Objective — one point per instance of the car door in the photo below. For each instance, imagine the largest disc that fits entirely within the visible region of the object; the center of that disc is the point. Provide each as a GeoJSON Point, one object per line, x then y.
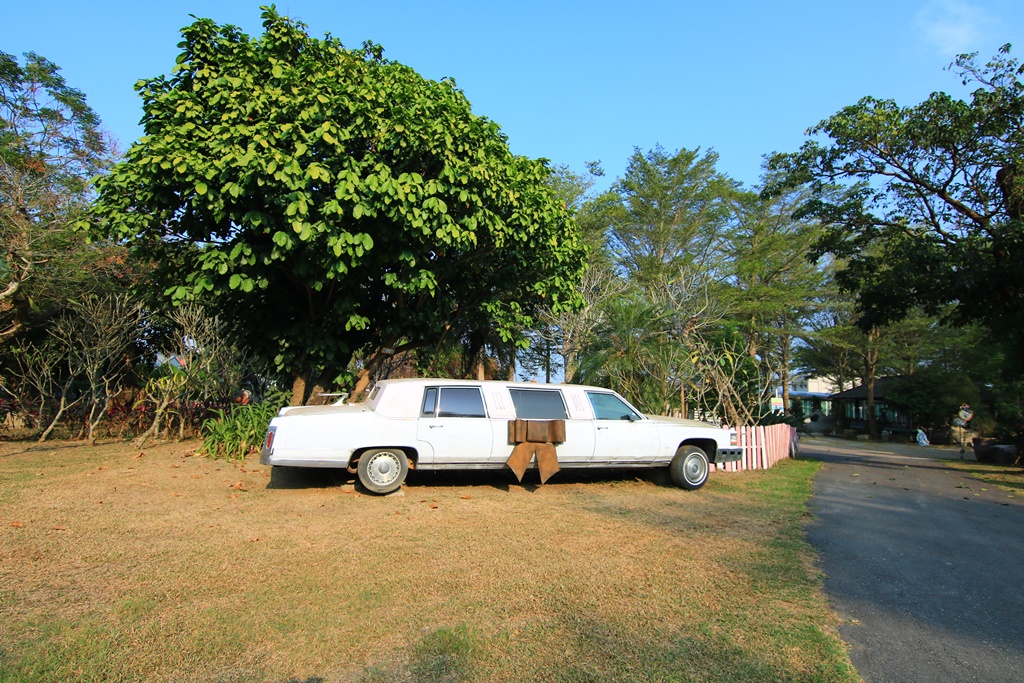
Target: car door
{"type": "Point", "coordinates": [549, 404]}
{"type": "Point", "coordinates": [622, 436]}
{"type": "Point", "coordinates": [455, 424]}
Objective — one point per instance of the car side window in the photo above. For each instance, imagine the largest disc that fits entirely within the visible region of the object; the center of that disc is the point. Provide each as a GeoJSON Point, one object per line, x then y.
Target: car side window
{"type": "Point", "coordinates": [429, 401]}
{"type": "Point", "coordinates": [610, 407]}
{"type": "Point", "coordinates": [538, 404]}
{"type": "Point", "coordinates": [460, 402]}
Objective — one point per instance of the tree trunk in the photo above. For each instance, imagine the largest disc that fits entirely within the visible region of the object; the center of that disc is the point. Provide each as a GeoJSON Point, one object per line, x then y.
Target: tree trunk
{"type": "Point", "coordinates": [480, 369]}
{"type": "Point", "coordinates": [366, 373]}
{"type": "Point", "coordinates": [547, 361]}
{"type": "Point", "coordinates": [154, 429]}
{"type": "Point", "coordinates": [298, 389]}
{"type": "Point", "coordinates": [569, 359]}
{"type": "Point", "coordinates": [787, 408]}
{"type": "Point", "coordinates": [870, 367]}
{"type": "Point", "coordinates": [362, 382]}
{"type": "Point", "coordinates": [64, 405]}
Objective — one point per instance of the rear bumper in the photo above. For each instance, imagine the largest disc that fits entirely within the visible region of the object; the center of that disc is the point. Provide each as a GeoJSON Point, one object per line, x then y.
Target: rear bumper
{"type": "Point", "coordinates": [725, 455]}
{"type": "Point", "coordinates": [268, 458]}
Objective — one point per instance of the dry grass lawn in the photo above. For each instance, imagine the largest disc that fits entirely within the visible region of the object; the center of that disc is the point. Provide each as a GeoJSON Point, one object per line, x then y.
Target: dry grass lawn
{"type": "Point", "coordinates": [125, 565]}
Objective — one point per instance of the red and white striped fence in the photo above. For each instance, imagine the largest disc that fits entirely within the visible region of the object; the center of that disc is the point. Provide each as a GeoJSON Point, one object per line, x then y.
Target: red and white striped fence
{"type": "Point", "coordinates": [762, 447]}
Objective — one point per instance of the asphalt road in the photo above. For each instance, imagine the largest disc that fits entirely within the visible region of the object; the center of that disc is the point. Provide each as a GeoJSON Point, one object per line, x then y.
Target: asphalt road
{"type": "Point", "coordinates": [924, 565]}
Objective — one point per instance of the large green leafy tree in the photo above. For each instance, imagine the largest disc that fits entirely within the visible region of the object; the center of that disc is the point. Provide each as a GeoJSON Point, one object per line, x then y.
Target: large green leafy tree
{"type": "Point", "coordinates": [327, 200]}
{"type": "Point", "coordinates": [931, 209]}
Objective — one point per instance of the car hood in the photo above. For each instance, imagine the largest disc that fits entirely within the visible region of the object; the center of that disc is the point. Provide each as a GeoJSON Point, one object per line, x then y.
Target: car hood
{"type": "Point", "coordinates": [680, 421]}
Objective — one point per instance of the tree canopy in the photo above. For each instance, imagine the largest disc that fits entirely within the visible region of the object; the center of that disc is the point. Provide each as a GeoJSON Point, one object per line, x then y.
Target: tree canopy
{"type": "Point", "coordinates": [326, 200]}
{"type": "Point", "coordinates": [936, 192]}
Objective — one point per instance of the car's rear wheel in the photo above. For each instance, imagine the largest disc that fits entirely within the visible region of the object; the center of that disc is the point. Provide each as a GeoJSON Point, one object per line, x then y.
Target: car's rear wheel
{"type": "Point", "coordinates": [689, 468]}
{"type": "Point", "coordinates": [383, 470]}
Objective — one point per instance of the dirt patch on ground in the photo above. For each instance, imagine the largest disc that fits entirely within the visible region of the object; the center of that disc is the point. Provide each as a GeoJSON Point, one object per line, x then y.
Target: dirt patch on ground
{"type": "Point", "coordinates": [123, 564]}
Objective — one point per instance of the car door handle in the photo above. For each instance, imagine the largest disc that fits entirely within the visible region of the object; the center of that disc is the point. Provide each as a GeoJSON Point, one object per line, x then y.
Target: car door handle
{"type": "Point", "coordinates": [436, 426]}
{"type": "Point", "coordinates": [602, 428]}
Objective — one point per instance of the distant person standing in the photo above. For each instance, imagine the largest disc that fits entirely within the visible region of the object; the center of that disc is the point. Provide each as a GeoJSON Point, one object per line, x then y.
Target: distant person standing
{"type": "Point", "coordinates": [962, 421]}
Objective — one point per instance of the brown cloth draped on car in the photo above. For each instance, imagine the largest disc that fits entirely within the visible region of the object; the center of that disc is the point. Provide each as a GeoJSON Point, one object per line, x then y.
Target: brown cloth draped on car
{"type": "Point", "coordinates": [535, 437]}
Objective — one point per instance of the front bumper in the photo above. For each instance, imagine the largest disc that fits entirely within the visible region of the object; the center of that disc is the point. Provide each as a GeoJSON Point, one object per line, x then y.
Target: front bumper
{"type": "Point", "coordinates": [725, 455]}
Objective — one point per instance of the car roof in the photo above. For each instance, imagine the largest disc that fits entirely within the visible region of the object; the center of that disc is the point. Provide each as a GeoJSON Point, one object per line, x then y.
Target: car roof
{"type": "Point", "coordinates": [432, 381]}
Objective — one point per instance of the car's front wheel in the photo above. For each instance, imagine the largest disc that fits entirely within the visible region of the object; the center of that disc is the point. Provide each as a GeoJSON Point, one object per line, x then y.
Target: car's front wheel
{"type": "Point", "coordinates": [689, 468]}
{"type": "Point", "coordinates": [383, 470]}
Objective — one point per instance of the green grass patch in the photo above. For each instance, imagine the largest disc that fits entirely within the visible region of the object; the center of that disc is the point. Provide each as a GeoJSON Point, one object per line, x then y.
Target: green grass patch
{"type": "Point", "coordinates": [160, 566]}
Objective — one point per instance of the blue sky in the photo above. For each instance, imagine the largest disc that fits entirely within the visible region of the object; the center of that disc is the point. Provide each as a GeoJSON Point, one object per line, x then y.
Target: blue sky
{"type": "Point", "coordinates": [576, 81]}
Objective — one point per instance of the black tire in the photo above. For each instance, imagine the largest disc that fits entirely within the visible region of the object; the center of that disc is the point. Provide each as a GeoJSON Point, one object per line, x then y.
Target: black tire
{"type": "Point", "coordinates": [689, 468]}
{"type": "Point", "coordinates": [383, 470]}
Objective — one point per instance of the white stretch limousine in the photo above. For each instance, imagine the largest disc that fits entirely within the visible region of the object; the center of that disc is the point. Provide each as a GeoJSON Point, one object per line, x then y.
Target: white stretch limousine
{"type": "Point", "coordinates": [436, 424]}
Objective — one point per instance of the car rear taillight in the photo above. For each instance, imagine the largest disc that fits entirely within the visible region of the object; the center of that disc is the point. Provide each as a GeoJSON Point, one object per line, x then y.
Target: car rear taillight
{"type": "Point", "coordinates": [734, 438]}
{"type": "Point", "coordinates": [269, 443]}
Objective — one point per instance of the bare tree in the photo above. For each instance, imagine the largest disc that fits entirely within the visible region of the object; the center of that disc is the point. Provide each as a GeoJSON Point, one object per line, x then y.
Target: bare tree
{"type": "Point", "coordinates": [569, 332]}
{"type": "Point", "coordinates": [46, 373]}
{"type": "Point", "coordinates": [200, 364]}
{"type": "Point", "coordinates": [99, 336]}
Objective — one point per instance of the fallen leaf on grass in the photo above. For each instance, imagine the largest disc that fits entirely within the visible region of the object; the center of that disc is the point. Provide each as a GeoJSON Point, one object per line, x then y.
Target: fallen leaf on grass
{"type": "Point", "coordinates": [238, 486]}
{"type": "Point", "coordinates": [465, 497]}
{"type": "Point", "coordinates": [433, 506]}
{"type": "Point", "coordinates": [175, 494]}
{"type": "Point", "coordinates": [175, 465]}
{"type": "Point", "coordinates": [60, 528]}
{"type": "Point", "coordinates": [140, 455]}
{"type": "Point", "coordinates": [197, 476]}
{"type": "Point", "coordinates": [254, 539]}
{"type": "Point", "coordinates": [18, 525]}
{"type": "Point", "coordinates": [233, 495]}
{"type": "Point", "coordinates": [102, 467]}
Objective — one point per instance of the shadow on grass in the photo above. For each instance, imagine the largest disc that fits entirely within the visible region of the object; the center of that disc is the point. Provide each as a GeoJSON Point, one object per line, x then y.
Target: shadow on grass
{"type": "Point", "coordinates": [307, 477]}
{"type": "Point", "coordinates": [503, 479]}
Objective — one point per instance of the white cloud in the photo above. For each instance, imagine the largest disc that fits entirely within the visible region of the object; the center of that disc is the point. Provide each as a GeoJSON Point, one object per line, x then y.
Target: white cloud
{"type": "Point", "coordinates": [952, 27]}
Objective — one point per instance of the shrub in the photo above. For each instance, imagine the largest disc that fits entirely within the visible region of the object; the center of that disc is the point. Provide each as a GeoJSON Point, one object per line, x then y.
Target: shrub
{"type": "Point", "coordinates": [240, 429]}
